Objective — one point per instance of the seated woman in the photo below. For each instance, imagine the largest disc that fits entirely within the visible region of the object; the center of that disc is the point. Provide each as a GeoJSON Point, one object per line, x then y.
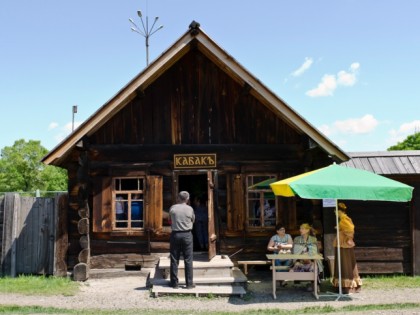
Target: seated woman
{"type": "Point", "coordinates": [281, 243]}
{"type": "Point", "coordinates": [305, 243]}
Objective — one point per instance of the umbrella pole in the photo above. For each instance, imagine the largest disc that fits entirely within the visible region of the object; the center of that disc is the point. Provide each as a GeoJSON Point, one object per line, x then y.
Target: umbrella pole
{"type": "Point", "coordinates": [338, 261]}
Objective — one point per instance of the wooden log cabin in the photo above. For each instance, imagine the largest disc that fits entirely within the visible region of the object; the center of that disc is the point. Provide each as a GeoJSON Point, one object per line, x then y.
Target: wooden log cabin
{"type": "Point", "coordinates": [387, 233]}
{"type": "Point", "coordinates": [194, 120]}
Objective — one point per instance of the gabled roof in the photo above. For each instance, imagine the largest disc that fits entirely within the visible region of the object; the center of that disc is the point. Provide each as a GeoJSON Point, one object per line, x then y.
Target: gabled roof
{"type": "Point", "coordinates": [194, 37]}
{"type": "Point", "coordinates": [386, 162]}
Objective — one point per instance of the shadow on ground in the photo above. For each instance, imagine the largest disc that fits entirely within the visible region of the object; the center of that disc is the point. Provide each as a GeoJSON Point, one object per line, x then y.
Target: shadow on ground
{"type": "Point", "coordinates": [259, 290]}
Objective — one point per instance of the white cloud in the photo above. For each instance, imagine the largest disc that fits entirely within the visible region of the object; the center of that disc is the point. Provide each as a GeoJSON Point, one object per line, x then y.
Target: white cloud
{"type": "Point", "coordinates": [52, 126]}
{"type": "Point", "coordinates": [410, 127]}
{"type": "Point", "coordinates": [325, 129]}
{"type": "Point", "coordinates": [346, 78]}
{"type": "Point", "coordinates": [325, 88]}
{"type": "Point", "coordinates": [354, 66]}
{"type": "Point", "coordinates": [362, 125]}
{"type": "Point", "coordinates": [330, 82]}
{"type": "Point", "coordinates": [403, 132]}
{"type": "Point", "coordinates": [305, 66]}
{"type": "Point", "coordinates": [66, 130]}
{"type": "Point", "coordinates": [68, 127]}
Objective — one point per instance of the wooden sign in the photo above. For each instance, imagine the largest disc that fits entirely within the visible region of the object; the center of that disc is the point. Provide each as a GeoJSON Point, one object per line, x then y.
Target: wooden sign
{"type": "Point", "coordinates": [186, 161]}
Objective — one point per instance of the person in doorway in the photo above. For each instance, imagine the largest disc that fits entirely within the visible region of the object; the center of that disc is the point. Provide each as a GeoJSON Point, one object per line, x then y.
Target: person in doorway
{"type": "Point", "coordinates": [201, 222]}
{"type": "Point", "coordinates": [181, 239]}
{"type": "Point", "coordinates": [281, 243]}
{"type": "Point", "coordinates": [350, 279]}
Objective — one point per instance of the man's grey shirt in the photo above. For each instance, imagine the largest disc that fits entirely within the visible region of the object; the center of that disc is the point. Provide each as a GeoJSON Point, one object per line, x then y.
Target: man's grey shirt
{"type": "Point", "coordinates": [182, 217]}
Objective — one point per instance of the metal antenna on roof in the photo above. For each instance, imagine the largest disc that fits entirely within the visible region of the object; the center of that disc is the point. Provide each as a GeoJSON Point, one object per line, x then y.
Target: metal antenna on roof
{"type": "Point", "coordinates": [145, 31]}
{"type": "Point", "coordinates": [74, 111]}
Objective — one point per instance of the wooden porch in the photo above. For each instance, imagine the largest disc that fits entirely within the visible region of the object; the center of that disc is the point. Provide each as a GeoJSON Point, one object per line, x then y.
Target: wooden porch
{"type": "Point", "coordinates": [218, 276]}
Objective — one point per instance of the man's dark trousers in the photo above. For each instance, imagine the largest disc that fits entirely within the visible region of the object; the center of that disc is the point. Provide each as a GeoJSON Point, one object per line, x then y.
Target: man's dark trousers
{"type": "Point", "coordinates": [181, 242]}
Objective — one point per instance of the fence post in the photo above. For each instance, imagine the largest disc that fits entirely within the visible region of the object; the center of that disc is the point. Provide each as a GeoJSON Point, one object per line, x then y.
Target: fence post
{"type": "Point", "coordinates": [61, 242]}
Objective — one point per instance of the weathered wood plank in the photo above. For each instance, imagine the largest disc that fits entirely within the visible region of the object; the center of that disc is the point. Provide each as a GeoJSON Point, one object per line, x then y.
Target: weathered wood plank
{"type": "Point", "coordinates": [102, 205]}
{"type": "Point", "coordinates": [378, 254]}
{"type": "Point", "coordinates": [158, 247]}
{"type": "Point", "coordinates": [380, 267]}
{"type": "Point", "coordinates": [238, 206]}
{"type": "Point", "coordinates": [118, 246]}
{"type": "Point", "coordinates": [61, 235]}
{"type": "Point", "coordinates": [415, 215]}
{"type": "Point", "coordinates": [119, 260]}
{"type": "Point", "coordinates": [227, 152]}
{"type": "Point", "coordinates": [1, 229]}
{"type": "Point", "coordinates": [154, 205]}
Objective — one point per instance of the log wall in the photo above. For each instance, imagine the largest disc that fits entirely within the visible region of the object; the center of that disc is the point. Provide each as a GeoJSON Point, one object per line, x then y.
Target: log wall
{"type": "Point", "coordinates": [195, 102]}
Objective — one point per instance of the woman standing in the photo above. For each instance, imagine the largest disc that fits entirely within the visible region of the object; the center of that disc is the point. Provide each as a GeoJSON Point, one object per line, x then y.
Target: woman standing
{"type": "Point", "coordinates": [350, 279]}
{"type": "Point", "coordinates": [281, 243]}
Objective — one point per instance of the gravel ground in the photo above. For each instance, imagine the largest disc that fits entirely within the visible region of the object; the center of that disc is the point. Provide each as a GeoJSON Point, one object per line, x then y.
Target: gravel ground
{"type": "Point", "coordinates": [131, 293]}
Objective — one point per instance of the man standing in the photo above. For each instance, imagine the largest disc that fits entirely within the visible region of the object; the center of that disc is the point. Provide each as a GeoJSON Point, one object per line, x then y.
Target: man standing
{"type": "Point", "coordinates": [182, 219]}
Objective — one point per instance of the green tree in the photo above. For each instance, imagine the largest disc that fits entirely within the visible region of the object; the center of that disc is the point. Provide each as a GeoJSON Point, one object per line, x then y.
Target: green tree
{"type": "Point", "coordinates": [412, 142]}
{"type": "Point", "coordinates": [21, 169]}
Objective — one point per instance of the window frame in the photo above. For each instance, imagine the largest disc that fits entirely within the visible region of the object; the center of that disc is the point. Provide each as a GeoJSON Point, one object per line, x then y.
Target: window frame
{"type": "Point", "coordinates": [141, 189]}
{"type": "Point", "coordinates": [261, 200]}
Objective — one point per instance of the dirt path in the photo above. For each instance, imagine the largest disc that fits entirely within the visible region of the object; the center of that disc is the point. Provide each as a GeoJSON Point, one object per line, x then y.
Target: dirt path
{"type": "Point", "coordinates": [131, 293]}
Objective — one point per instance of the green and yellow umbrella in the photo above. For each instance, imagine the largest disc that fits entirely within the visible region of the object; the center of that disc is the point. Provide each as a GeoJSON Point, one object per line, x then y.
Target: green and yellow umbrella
{"type": "Point", "coordinates": [340, 182]}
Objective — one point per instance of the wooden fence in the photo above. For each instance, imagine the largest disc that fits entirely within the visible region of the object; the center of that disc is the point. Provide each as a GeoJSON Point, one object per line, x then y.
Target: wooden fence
{"type": "Point", "coordinates": [32, 236]}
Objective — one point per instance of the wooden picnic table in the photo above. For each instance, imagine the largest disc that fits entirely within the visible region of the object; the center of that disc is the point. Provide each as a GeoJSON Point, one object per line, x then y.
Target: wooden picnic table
{"type": "Point", "coordinates": [292, 276]}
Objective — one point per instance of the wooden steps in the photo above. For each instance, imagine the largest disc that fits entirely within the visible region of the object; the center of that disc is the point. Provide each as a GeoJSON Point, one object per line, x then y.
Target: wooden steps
{"type": "Point", "coordinates": [217, 267]}
{"type": "Point", "coordinates": [218, 276]}
{"type": "Point", "coordinates": [236, 277]}
{"type": "Point", "coordinates": [203, 290]}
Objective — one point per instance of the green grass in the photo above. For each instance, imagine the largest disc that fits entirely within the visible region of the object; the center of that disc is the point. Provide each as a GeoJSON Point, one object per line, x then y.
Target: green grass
{"type": "Point", "coordinates": [39, 285]}
{"type": "Point", "coordinates": [273, 311]}
{"type": "Point", "coordinates": [390, 282]}
{"type": "Point", "coordinates": [381, 282]}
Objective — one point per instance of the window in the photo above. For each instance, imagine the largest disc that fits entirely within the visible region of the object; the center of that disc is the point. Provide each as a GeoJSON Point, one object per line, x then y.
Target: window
{"type": "Point", "coordinates": [128, 203]}
{"type": "Point", "coordinates": [261, 202]}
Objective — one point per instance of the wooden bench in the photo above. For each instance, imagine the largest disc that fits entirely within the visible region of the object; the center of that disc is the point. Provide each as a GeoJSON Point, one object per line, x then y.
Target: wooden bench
{"type": "Point", "coordinates": [245, 263]}
{"type": "Point", "coordinates": [294, 276]}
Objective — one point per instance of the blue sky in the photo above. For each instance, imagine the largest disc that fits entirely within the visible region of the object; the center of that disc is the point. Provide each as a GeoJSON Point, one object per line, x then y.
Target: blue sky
{"type": "Point", "coordinates": [351, 68]}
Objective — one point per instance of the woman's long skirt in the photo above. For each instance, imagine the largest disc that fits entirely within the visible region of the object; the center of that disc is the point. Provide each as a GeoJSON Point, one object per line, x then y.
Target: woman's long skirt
{"type": "Point", "coordinates": [350, 279]}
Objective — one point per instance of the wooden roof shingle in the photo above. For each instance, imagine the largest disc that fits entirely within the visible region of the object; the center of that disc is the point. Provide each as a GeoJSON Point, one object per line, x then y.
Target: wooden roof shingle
{"type": "Point", "coordinates": [386, 162]}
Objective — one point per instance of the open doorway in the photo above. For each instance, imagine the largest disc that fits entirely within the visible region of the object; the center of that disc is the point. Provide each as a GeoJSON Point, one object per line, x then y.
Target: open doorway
{"type": "Point", "coordinates": [196, 185]}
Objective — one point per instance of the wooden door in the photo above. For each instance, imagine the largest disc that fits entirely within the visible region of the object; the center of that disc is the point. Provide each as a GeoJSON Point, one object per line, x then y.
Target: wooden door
{"type": "Point", "coordinates": [212, 221]}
